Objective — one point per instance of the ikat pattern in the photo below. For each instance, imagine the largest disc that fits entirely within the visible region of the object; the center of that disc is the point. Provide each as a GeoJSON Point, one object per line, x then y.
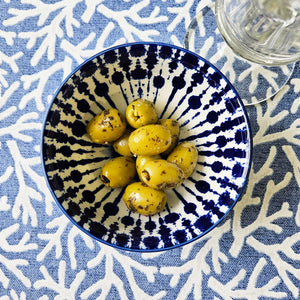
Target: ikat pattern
{"type": "Point", "coordinates": [182, 86]}
{"type": "Point", "coordinates": [254, 253]}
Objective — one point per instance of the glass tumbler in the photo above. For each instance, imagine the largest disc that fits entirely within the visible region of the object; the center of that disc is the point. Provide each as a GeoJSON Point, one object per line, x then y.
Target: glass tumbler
{"type": "Point", "coordinates": [266, 32]}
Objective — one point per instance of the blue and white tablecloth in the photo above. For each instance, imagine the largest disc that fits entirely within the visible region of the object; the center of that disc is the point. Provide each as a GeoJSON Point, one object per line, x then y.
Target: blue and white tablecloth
{"type": "Point", "coordinates": [253, 254]}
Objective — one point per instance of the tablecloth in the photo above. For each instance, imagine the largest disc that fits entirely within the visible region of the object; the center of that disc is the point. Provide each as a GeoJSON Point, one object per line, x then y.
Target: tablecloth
{"type": "Point", "coordinates": [254, 253]}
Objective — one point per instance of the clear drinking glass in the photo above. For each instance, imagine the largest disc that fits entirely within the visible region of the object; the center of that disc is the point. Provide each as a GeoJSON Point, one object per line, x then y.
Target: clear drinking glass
{"type": "Point", "coordinates": [263, 31]}
{"type": "Point", "coordinates": [263, 37]}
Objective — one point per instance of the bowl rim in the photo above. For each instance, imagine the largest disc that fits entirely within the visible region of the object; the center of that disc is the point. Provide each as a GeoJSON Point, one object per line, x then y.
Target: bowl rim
{"type": "Point", "coordinates": [242, 106]}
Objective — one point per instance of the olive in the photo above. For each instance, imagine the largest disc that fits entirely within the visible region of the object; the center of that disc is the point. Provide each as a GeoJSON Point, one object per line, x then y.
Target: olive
{"type": "Point", "coordinates": [143, 199]}
{"type": "Point", "coordinates": [141, 160]}
{"type": "Point", "coordinates": [121, 144]}
{"type": "Point", "coordinates": [173, 126]}
{"type": "Point", "coordinates": [118, 171]}
{"type": "Point", "coordinates": [161, 174]}
{"type": "Point", "coordinates": [185, 155]}
{"type": "Point", "coordinates": [149, 140]}
{"type": "Point", "coordinates": [107, 126]}
{"type": "Point", "coordinates": [141, 112]}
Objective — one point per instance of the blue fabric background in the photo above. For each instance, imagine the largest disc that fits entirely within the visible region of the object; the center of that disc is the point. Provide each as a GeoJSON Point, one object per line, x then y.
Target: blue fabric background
{"type": "Point", "coordinates": [253, 254]}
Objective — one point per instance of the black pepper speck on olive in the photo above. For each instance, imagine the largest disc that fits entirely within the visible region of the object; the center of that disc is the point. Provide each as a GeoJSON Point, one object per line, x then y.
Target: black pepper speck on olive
{"type": "Point", "coordinates": [149, 140]}
{"type": "Point", "coordinates": [161, 174]}
{"type": "Point", "coordinates": [148, 148]}
{"type": "Point", "coordinates": [143, 199]}
{"type": "Point", "coordinates": [185, 155]}
{"type": "Point", "coordinates": [118, 172]}
{"type": "Point", "coordinates": [141, 112]}
{"type": "Point", "coordinates": [107, 126]}
{"type": "Point", "coordinates": [173, 126]}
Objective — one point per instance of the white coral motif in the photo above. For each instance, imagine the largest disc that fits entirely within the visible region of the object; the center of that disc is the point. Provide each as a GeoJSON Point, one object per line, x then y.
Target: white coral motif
{"type": "Point", "coordinates": [54, 240]}
{"type": "Point", "coordinates": [231, 291]}
{"type": "Point", "coordinates": [59, 287]}
{"type": "Point", "coordinates": [284, 268]}
{"type": "Point", "coordinates": [24, 166]}
{"type": "Point", "coordinates": [295, 163]}
{"type": "Point", "coordinates": [9, 36]}
{"type": "Point", "coordinates": [240, 232]}
{"type": "Point", "coordinates": [63, 13]}
{"type": "Point", "coordinates": [111, 279]}
{"type": "Point", "coordinates": [14, 296]}
{"type": "Point", "coordinates": [4, 205]}
{"type": "Point", "coordinates": [120, 17]}
{"type": "Point", "coordinates": [74, 233]}
{"type": "Point", "coordinates": [296, 104]}
{"type": "Point", "coordinates": [81, 52]}
{"type": "Point", "coordinates": [11, 61]}
{"type": "Point", "coordinates": [13, 265]}
{"type": "Point", "coordinates": [54, 48]}
{"type": "Point", "coordinates": [266, 120]}
{"type": "Point", "coordinates": [199, 265]}
{"type": "Point", "coordinates": [42, 78]}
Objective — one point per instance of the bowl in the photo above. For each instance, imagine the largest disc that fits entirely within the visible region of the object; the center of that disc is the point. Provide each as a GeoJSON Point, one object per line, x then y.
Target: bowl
{"type": "Point", "coordinates": [182, 86]}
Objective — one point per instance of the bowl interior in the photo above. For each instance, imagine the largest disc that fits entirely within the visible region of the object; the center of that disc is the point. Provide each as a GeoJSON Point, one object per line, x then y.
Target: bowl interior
{"type": "Point", "coordinates": [182, 86]}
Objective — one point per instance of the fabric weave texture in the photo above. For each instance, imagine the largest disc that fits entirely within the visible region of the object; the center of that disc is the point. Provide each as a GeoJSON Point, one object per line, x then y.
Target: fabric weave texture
{"type": "Point", "coordinates": [253, 254]}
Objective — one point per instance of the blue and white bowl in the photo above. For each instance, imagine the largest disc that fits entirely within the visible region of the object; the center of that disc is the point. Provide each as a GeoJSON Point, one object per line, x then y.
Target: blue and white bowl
{"type": "Point", "coordinates": [183, 86]}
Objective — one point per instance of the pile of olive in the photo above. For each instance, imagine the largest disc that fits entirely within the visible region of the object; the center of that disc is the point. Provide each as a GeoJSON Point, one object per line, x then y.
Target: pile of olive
{"type": "Point", "coordinates": [149, 148]}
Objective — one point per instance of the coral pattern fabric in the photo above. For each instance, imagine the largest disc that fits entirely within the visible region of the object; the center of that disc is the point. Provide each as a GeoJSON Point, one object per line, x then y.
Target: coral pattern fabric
{"type": "Point", "coordinates": [253, 254]}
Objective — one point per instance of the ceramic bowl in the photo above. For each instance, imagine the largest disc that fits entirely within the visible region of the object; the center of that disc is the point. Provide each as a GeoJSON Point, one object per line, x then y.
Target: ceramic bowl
{"type": "Point", "coordinates": [183, 86]}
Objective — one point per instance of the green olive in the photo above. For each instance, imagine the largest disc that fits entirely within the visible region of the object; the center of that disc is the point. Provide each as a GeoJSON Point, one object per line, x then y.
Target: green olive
{"type": "Point", "coordinates": [143, 199]}
{"type": "Point", "coordinates": [121, 144]}
{"type": "Point", "coordinates": [141, 112]}
{"type": "Point", "coordinates": [173, 126]}
{"type": "Point", "coordinates": [141, 160]}
{"type": "Point", "coordinates": [107, 126]}
{"type": "Point", "coordinates": [185, 155]}
{"type": "Point", "coordinates": [161, 174]}
{"type": "Point", "coordinates": [149, 140]}
{"type": "Point", "coordinates": [118, 172]}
